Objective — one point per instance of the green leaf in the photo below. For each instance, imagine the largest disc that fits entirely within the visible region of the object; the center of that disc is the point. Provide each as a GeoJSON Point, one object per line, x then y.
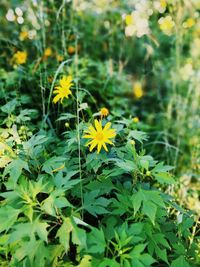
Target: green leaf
{"type": "Point", "coordinates": [126, 165]}
{"type": "Point", "coordinates": [95, 205]}
{"type": "Point", "coordinates": [149, 209]}
{"type": "Point", "coordinates": [147, 259]}
{"type": "Point", "coordinates": [162, 254]}
{"type": "Point", "coordinates": [164, 178]}
{"type": "Point", "coordinates": [10, 106]}
{"type": "Point", "coordinates": [63, 233]}
{"type": "Point", "coordinates": [52, 164]}
{"type": "Point", "coordinates": [96, 241]}
{"type": "Point", "coordinates": [137, 135]}
{"type": "Point", "coordinates": [86, 261]}
{"type": "Point", "coordinates": [137, 250]}
{"type": "Point", "coordinates": [8, 217]}
{"type": "Point", "coordinates": [180, 262]}
{"type": "Point", "coordinates": [41, 229]}
{"type": "Point", "coordinates": [78, 235]}
{"type": "Point", "coordinates": [136, 263]}
{"type": "Point", "coordinates": [14, 169]}
{"type": "Point", "coordinates": [137, 201]}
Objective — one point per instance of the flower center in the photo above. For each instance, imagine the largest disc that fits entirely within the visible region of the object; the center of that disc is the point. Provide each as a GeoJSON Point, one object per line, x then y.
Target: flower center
{"type": "Point", "coordinates": [99, 136]}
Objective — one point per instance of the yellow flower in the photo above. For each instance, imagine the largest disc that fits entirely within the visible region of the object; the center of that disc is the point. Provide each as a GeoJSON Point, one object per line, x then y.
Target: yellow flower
{"type": "Point", "coordinates": [137, 90]}
{"type": "Point", "coordinates": [132, 142]}
{"type": "Point", "coordinates": [129, 20]}
{"type": "Point", "coordinates": [100, 136]}
{"type": "Point", "coordinates": [166, 25]}
{"type": "Point", "coordinates": [163, 4]}
{"type": "Point", "coordinates": [48, 52]}
{"type": "Point", "coordinates": [189, 23]}
{"type": "Point", "coordinates": [23, 35]}
{"type": "Point", "coordinates": [20, 57]}
{"type": "Point", "coordinates": [104, 112]}
{"type": "Point", "coordinates": [63, 90]}
{"type": "Point", "coordinates": [135, 119]}
{"type": "Point", "coordinates": [59, 58]}
{"type": "Point", "coordinates": [71, 50]}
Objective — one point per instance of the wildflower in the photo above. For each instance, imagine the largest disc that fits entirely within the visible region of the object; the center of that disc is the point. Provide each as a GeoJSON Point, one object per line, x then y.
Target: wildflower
{"type": "Point", "coordinates": [132, 142]}
{"type": "Point", "coordinates": [23, 35]}
{"type": "Point", "coordinates": [100, 136]}
{"type": "Point", "coordinates": [160, 5]}
{"type": "Point", "coordinates": [59, 58]}
{"type": "Point", "coordinates": [71, 50]}
{"type": "Point", "coordinates": [189, 23]}
{"type": "Point", "coordinates": [48, 52]}
{"type": "Point", "coordinates": [135, 119]}
{"type": "Point", "coordinates": [63, 90]}
{"type": "Point", "coordinates": [166, 25]}
{"type": "Point", "coordinates": [20, 57]}
{"type": "Point", "coordinates": [129, 19]}
{"type": "Point", "coordinates": [137, 90]}
{"type": "Point", "coordinates": [66, 124]}
{"type": "Point", "coordinates": [104, 112]}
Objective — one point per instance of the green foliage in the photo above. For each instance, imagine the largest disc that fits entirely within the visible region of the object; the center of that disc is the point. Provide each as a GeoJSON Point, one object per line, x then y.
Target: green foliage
{"type": "Point", "coordinates": [62, 205]}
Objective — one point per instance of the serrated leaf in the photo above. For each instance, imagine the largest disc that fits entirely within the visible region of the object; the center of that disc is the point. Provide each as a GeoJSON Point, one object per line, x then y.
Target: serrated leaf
{"type": "Point", "coordinates": [96, 241]}
{"type": "Point", "coordinates": [164, 178]}
{"type": "Point", "coordinates": [126, 165]}
{"type": "Point", "coordinates": [8, 217]}
{"type": "Point", "coordinates": [14, 169]}
{"type": "Point", "coordinates": [149, 209]}
{"type": "Point", "coordinates": [137, 201]}
{"type": "Point", "coordinates": [180, 262]}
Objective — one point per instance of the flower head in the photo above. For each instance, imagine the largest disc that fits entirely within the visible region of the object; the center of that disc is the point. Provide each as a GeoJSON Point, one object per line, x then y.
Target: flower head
{"type": "Point", "coordinates": [166, 25]}
{"type": "Point", "coordinates": [137, 90]}
{"type": "Point", "coordinates": [189, 23]}
{"type": "Point", "coordinates": [129, 19]}
{"type": "Point", "coordinates": [99, 135]}
{"type": "Point", "coordinates": [48, 52]}
{"type": "Point", "coordinates": [23, 35]}
{"type": "Point", "coordinates": [135, 119]}
{"type": "Point", "coordinates": [71, 49]}
{"type": "Point", "coordinates": [20, 57]}
{"type": "Point", "coordinates": [104, 112]}
{"type": "Point", "coordinates": [63, 90]}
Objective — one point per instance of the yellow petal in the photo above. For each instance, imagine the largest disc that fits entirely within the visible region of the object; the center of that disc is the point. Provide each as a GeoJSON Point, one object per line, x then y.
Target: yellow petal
{"type": "Point", "coordinates": [56, 99]}
{"type": "Point", "coordinates": [98, 125]}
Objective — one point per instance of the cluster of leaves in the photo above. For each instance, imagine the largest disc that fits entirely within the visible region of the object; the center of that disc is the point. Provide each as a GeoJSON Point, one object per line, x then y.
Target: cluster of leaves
{"type": "Point", "coordinates": [114, 214]}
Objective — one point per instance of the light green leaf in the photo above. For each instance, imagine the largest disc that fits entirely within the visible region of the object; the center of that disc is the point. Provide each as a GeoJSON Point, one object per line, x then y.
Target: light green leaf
{"type": "Point", "coordinates": [180, 262]}
{"type": "Point", "coordinates": [149, 209]}
{"type": "Point", "coordinates": [8, 217]}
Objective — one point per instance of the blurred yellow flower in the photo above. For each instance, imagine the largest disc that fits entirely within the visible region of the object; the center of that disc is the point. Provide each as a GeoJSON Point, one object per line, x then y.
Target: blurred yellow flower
{"type": "Point", "coordinates": [135, 119]}
{"type": "Point", "coordinates": [132, 142]}
{"type": "Point", "coordinates": [48, 52]}
{"type": "Point", "coordinates": [189, 23]}
{"type": "Point", "coordinates": [71, 50]}
{"type": "Point", "coordinates": [104, 112]}
{"type": "Point", "coordinates": [163, 3]}
{"type": "Point", "coordinates": [63, 90]}
{"type": "Point", "coordinates": [59, 58]}
{"type": "Point", "coordinates": [23, 35]}
{"type": "Point", "coordinates": [166, 25]}
{"type": "Point", "coordinates": [129, 19]}
{"type": "Point", "coordinates": [20, 57]}
{"type": "Point", "coordinates": [137, 90]}
{"type": "Point", "coordinates": [99, 135]}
